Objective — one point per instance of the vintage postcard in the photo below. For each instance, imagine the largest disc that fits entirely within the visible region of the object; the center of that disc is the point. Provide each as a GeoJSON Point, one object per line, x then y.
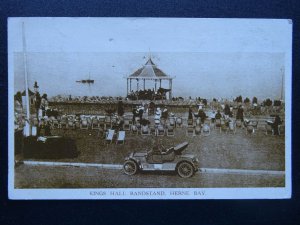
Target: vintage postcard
{"type": "Point", "coordinates": [149, 108]}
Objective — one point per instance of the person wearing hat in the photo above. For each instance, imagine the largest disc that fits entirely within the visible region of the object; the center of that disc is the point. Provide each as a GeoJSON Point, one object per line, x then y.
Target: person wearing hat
{"type": "Point", "coordinates": [165, 113]}
{"type": "Point", "coordinates": [190, 113]}
{"type": "Point", "coordinates": [141, 112]}
{"type": "Point", "coordinates": [240, 113]}
{"type": "Point", "coordinates": [134, 110]}
{"type": "Point", "coordinates": [44, 104]}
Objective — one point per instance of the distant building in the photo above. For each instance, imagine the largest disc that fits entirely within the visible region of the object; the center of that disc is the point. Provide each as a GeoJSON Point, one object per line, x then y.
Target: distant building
{"type": "Point", "coordinates": [31, 98]}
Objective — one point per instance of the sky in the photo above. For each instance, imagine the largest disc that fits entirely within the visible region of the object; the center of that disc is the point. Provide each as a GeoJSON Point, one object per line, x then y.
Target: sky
{"type": "Point", "coordinates": [207, 57]}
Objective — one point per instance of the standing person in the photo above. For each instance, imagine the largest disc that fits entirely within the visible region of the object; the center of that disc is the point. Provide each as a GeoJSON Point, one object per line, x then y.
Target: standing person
{"type": "Point", "coordinates": [227, 110]}
{"type": "Point", "coordinates": [141, 112]}
{"type": "Point", "coordinates": [165, 113]}
{"type": "Point", "coordinates": [44, 104]}
{"type": "Point", "coordinates": [202, 115]}
{"type": "Point", "coordinates": [240, 114]}
{"type": "Point", "coordinates": [134, 109]}
{"type": "Point", "coordinates": [120, 108]}
{"type": "Point", "coordinates": [37, 103]}
{"type": "Point", "coordinates": [190, 113]}
{"type": "Point", "coordinates": [276, 124]}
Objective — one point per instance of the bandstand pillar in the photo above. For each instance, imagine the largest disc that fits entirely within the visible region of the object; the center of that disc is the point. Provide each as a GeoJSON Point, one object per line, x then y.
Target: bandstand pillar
{"type": "Point", "coordinates": [170, 87]}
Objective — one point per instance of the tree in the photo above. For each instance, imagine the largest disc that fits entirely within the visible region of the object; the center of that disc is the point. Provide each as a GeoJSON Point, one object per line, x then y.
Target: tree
{"type": "Point", "coordinates": [204, 101]}
{"type": "Point", "coordinates": [268, 102]}
{"type": "Point", "coordinates": [239, 99]}
{"type": "Point", "coordinates": [277, 103]}
{"type": "Point", "coordinates": [247, 100]}
{"type": "Point", "coordinates": [254, 100]}
{"type": "Point", "coordinates": [18, 96]}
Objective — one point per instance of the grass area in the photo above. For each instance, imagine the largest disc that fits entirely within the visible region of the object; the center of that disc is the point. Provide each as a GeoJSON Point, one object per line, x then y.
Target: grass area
{"type": "Point", "coordinates": [218, 150]}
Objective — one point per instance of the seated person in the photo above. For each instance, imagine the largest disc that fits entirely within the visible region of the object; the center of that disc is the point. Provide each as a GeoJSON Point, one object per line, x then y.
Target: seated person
{"type": "Point", "coordinates": [155, 155]}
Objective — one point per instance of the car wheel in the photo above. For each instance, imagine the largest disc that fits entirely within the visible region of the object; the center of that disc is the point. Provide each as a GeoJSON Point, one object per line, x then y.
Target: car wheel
{"type": "Point", "coordinates": [185, 170]}
{"type": "Point", "coordinates": [130, 167]}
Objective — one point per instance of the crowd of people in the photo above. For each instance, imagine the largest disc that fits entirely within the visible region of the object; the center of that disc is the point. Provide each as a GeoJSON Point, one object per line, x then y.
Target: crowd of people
{"type": "Point", "coordinates": [148, 94]}
{"type": "Point", "coordinates": [225, 111]}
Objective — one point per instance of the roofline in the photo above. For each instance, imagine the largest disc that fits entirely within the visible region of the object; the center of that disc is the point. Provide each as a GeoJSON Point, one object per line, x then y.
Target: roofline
{"type": "Point", "coordinates": [151, 78]}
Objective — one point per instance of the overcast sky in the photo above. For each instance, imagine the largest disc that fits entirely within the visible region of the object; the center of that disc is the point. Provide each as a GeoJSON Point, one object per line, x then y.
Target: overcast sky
{"type": "Point", "coordinates": [208, 58]}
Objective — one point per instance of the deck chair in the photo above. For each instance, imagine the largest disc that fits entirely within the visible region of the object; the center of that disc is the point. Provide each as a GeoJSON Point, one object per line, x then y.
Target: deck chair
{"type": "Point", "coordinates": [157, 122]}
{"type": "Point", "coordinates": [77, 124]}
{"type": "Point", "coordinates": [95, 124]}
{"type": "Point", "coordinates": [63, 122]}
{"type": "Point", "coordinates": [121, 137]}
{"type": "Point", "coordinates": [170, 130]}
{"type": "Point", "coordinates": [206, 130]}
{"type": "Point", "coordinates": [89, 121]}
{"type": "Point", "coordinates": [145, 130]}
{"type": "Point", "coordinates": [138, 126]}
{"type": "Point", "coordinates": [207, 121]}
{"type": "Point", "coordinates": [102, 124]}
{"type": "Point", "coordinates": [190, 130]}
{"type": "Point", "coordinates": [217, 124]}
{"type": "Point", "coordinates": [231, 127]}
{"type": "Point", "coordinates": [152, 130]}
{"type": "Point", "coordinates": [172, 122]}
{"type": "Point", "coordinates": [224, 126]}
{"type": "Point", "coordinates": [254, 126]}
{"type": "Point", "coordinates": [249, 129]}
{"type": "Point", "coordinates": [107, 122]}
{"type": "Point", "coordinates": [134, 129]}
{"type": "Point", "coordinates": [179, 121]}
{"type": "Point", "coordinates": [54, 124]}
{"type": "Point", "coordinates": [84, 124]}
{"type": "Point", "coordinates": [190, 122]}
{"type": "Point", "coordinates": [198, 122]}
{"type": "Point", "coordinates": [239, 123]}
{"type": "Point", "coordinates": [71, 124]}
{"type": "Point", "coordinates": [197, 130]}
{"type": "Point", "coordinates": [109, 136]}
{"type": "Point", "coordinates": [160, 131]}
{"type": "Point", "coordinates": [127, 125]}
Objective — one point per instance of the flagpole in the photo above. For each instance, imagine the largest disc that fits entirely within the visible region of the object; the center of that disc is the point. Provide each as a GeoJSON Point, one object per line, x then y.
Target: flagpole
{"type": "Point", "coordinates": [281, 94]}
{"type": "Point", "coordinates": [26, 78]}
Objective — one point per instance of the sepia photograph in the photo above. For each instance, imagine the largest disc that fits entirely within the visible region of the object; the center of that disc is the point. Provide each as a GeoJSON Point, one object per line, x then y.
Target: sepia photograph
{"type": "Point", "coordinates": [149, 108]}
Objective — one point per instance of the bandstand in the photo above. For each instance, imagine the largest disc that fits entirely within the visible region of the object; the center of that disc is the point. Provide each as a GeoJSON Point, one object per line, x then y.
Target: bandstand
{"type": "Point", "coordinates": [149, 72]}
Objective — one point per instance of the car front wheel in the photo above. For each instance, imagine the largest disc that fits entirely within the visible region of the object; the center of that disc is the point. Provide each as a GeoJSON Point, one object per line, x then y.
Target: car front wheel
{"type": "Point", "coordinates": [130, 167]}
{"type": "Point", "coordinates": [185, 170]}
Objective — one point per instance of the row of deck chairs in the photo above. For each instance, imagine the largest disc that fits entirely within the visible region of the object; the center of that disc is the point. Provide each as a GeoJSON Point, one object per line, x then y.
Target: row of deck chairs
{"type": "Point", "coordinates": [70, 122]}
{"type": "Point", "coordinates": [195, 127]}
{"type": "Point", "coordinates": [249, 126]}
{"type": "Point", "coordinates": [156, 130]}
{"type": "Point", "coordinates": [110, 135]}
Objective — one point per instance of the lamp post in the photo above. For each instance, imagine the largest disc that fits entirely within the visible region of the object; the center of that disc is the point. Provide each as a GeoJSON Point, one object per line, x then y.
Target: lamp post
{"type": "Point", "coordinates": [27, 128]}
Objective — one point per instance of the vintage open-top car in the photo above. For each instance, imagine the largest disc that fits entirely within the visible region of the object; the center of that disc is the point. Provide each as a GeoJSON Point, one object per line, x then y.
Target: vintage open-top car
{"type": "Point", "coordinates": [170, 160]}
